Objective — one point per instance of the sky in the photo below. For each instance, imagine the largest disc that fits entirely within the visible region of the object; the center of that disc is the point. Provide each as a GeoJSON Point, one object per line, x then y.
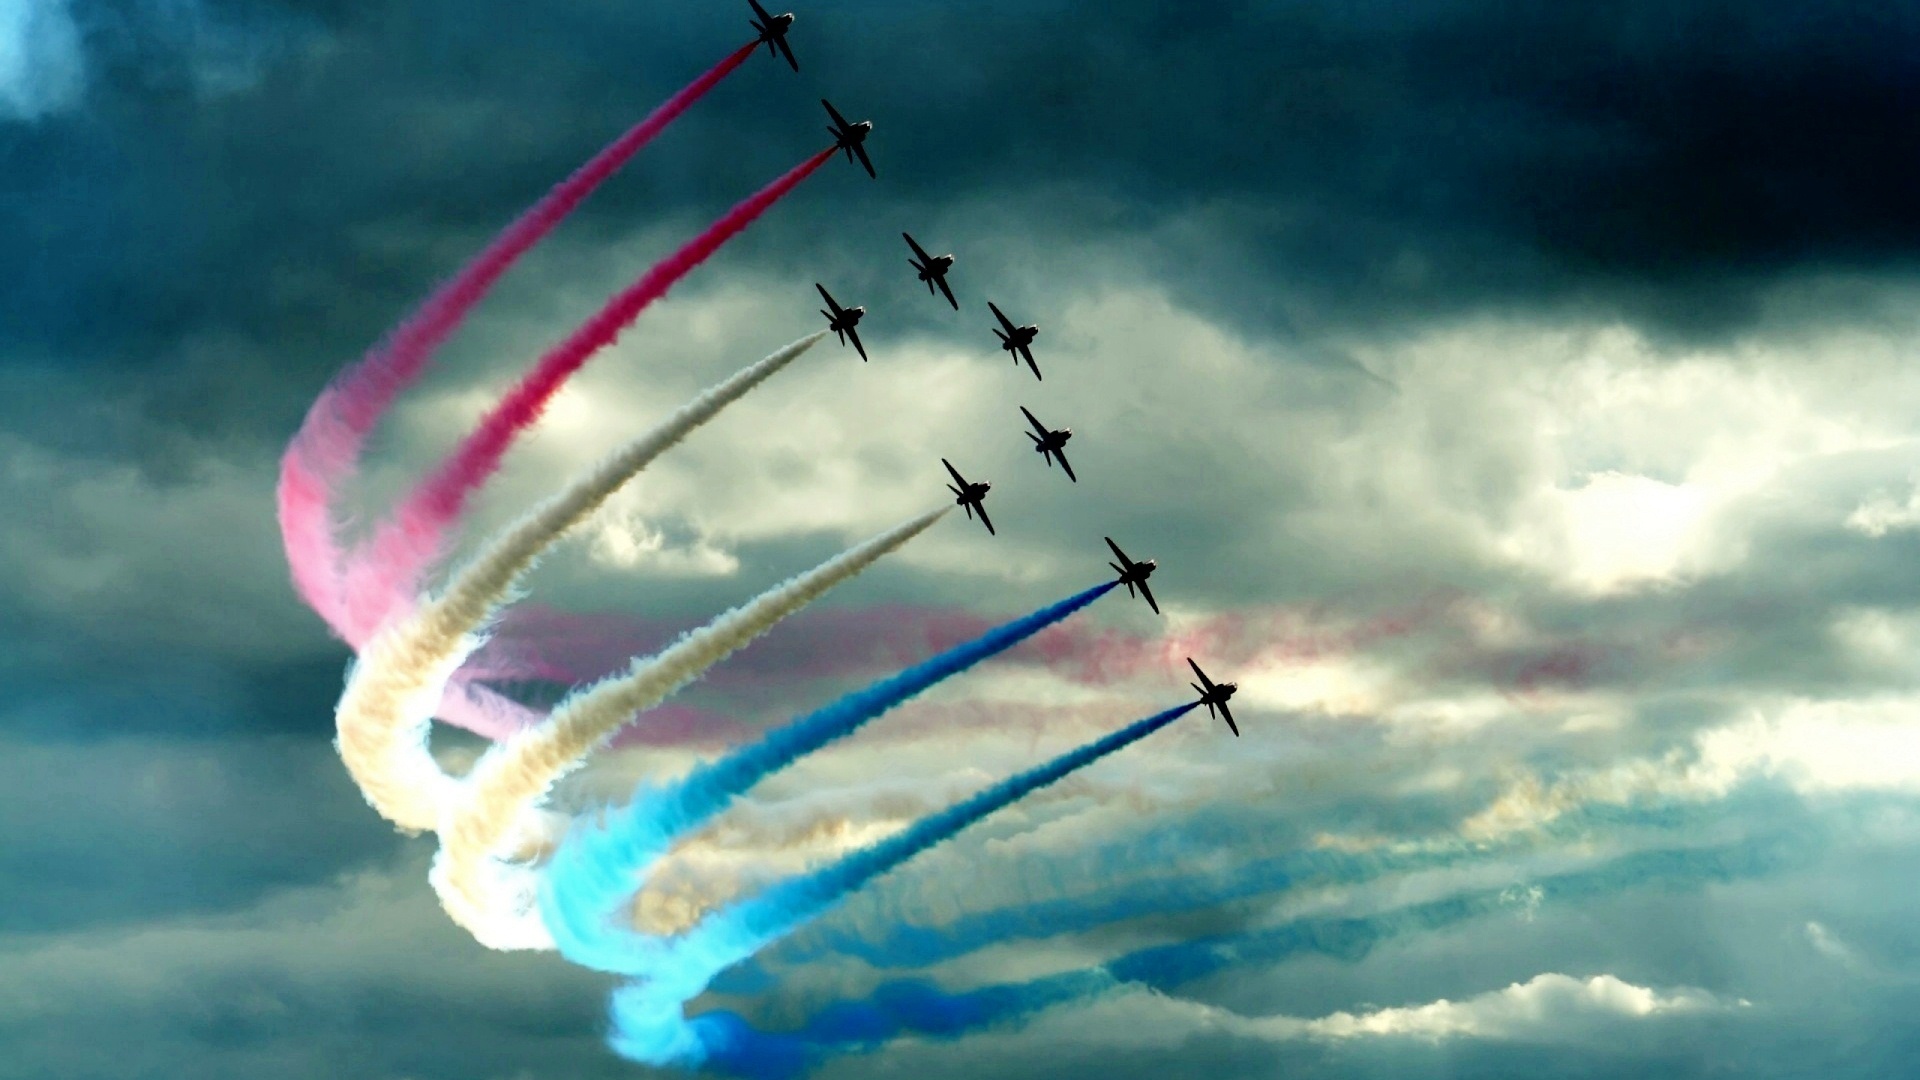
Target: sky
{"type": "Point", "coordinates": [1517, 399]}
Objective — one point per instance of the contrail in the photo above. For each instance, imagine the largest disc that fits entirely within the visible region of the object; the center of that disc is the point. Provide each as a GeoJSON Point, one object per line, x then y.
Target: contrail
{"type": "Point", "coordinates": [920, 1007]}
{"type": "Point", "coordinates": [596, 870]}
{"type": "Point", "coordinates": [514, 776]}
{"type": "Point", "coordinates": [403, 547]}
{"type": "Point", "coordinates": [648, 1023]}
{"type": "Point", "coordinates": [326, 450]}
{"type": "Point", "coordinates": [393, 690]}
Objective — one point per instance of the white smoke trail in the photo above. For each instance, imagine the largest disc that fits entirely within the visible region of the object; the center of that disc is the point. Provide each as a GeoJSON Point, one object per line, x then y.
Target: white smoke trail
{"type": "Point", "coordinates": [495, 901]}
{"type": "Point", "coordinates": [384, 716]}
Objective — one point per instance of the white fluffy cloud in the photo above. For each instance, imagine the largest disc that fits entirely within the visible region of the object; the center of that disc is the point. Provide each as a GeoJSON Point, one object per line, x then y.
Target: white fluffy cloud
{"type": "Point", "coordinates": [1549, 1008]}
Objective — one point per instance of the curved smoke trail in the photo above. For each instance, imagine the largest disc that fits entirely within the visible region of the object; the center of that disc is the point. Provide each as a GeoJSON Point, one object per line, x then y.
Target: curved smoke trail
{"type": "Point", "coordinates": [398, 681]}
{"type": "Point", "coordinates": [325, 452]}
{"type": "Point", "coordinates": [510, 781]}
{"type": "Point", "coordinates": [404, 546]}
{"type": "Point", "coordinates": [597, 869]}
{"type": "Point", "coordinates": [649, 1024]}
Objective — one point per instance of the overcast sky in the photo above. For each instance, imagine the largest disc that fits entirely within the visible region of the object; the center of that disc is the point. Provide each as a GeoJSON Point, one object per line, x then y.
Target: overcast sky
{"type": "Point", "coordinates": [1519, 399]}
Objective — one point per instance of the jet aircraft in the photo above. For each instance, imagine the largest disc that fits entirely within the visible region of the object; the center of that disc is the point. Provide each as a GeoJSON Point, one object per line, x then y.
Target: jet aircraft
{"type": "Point", "coordinates": [849, 137]}
{"type": "Point", "coordinates": [1016, 339]}
{"type": "Point", "coordinates": [1134, 573]}
{"type": "Point", "coordinates": [1050, 444]}
{"type": "Point", "coordinates": [933, 270]}
{"type": "Point", "coordinates": [969, 496]}
{"type": "Point", "coordinates": [843, 320]}
{"type": "Point", "coordinates": [1215, 695]}
{"type": "Point", "coordinates": [773, 30]}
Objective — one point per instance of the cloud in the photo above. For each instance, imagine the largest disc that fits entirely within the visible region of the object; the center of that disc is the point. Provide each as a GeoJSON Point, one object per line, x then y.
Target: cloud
{"type": "Point", "coordinates": [41, 67]}
{"type": "Point", "coordinates": [1548, 1009]}
{"type": "Point", "coordinates": [48, 49]}
{"type": "Point", "coordinates": [1883, 514]}
{"type": "Point", "coordinates": [1813, 747]}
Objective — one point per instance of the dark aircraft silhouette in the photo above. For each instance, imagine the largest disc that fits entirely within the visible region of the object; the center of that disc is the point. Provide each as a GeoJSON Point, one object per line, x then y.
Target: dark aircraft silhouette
{"type": "Point", "coordinates": [1051, 444]}
{"type": "Point", "coordinates": [933, 270]}
{"type": "Point", "coordinates": [843, 320]}
{"type": "Point", "coordinates": [1136, 573]}
{"type": "Point", "coordinates": [773, 30]}
{"type": "Point", "coordinates": [849, 137]}
{"type": "Point", "coordinates": [970, 496]}
{"type": "Point", "coordinates": [1215, 695]}
{"type": "Point", "coordinates": [1016, 339]}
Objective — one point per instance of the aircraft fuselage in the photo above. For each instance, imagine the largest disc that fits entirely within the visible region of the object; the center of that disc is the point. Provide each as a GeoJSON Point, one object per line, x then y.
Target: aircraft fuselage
{"type": "Point", "coordinates": [937, 266]}
{"type": "Point", "coordinates": [1220, 693]}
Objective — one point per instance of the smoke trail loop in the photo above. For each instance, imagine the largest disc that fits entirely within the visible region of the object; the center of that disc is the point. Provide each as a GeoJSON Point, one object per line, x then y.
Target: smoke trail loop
{"type": "Point", "coordinates": [649, 1025]}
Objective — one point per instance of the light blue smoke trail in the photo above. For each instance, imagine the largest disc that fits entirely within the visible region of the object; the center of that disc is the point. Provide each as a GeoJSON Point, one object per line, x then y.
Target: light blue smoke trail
{"type": "Point", "coordinates": [919, 1007]}
{"type": "Point", "coordinates": [649, 1024]}
{"type": "Point", "coordinates": [600, 866]}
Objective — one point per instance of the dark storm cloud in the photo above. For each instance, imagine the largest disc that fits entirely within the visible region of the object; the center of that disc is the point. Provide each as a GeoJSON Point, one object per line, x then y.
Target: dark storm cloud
{"type": "Point", "coordinates": [1324, 160]}
{"type": "Point", "coordinates": [127, 831]}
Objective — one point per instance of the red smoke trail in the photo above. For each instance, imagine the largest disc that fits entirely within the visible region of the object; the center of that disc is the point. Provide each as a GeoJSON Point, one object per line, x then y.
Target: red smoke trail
{"type": "Point", "coordinates": [407, 544]}
{"type": "Point", "coordinates": [324, 452]}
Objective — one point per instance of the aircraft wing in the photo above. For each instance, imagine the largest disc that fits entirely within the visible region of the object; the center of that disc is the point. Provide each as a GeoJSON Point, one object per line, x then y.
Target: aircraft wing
{"type": "Point", "coordinates": [860, 150]}
{"type": "Point", "coordinates": [781, 44]}
{"type": "Point", "coordinates": [957, 478]}
{"type": "Point", "coordinates": [984, 519]}
{"type": "Point", "coordinates": [1027, 354]}
{"type": "Point", "coordinates": [1124, 561]}
{"type": "Point", "coordinates": [1204, 681]}
{"type": "Point", "coordinates": [1148, 593]}
{"type": "Point", "coordinates": [824, 295]}
{"type": "Point", "coordinates": [1037, 425]}
{"type": "Point", "coordinates": [839, 120]}
{"type": "Point", "coordinates": [857, 347]}
{"type": "Point", "coordinates": [1228, 717]}
{"type": "Point", "coordinates": [760, 11]}
{"type": "Point", "coordinates": [918, 250]}
{"type": "Point", "coordinates": [1001, 316]}
{"type": "Point", "coordinates": [942, 282]}
{"type": "Point", "coordinates": [1062, 455]}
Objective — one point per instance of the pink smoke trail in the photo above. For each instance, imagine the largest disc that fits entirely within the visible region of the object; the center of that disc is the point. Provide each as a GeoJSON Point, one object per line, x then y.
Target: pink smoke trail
{"type": "Point", "coordinates": [408, 543]}
{"type": "Point", "coordinates": [324, 453]}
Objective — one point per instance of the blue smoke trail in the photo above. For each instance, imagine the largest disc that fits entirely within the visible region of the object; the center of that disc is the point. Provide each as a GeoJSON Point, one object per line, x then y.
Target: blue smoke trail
{"type": "Point", "coordinates": [1116, 899]}
{"type": "Point", "coordinates": [598, 867]}
{"type": "Point", "coordinates": [922, 1008]}
{"type": "Point", "coordinates": [649, 1025]}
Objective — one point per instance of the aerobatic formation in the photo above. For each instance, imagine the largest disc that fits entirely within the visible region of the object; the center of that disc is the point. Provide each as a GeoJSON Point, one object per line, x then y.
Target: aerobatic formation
{"type": "Point", "coordinates": [513, 867]}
